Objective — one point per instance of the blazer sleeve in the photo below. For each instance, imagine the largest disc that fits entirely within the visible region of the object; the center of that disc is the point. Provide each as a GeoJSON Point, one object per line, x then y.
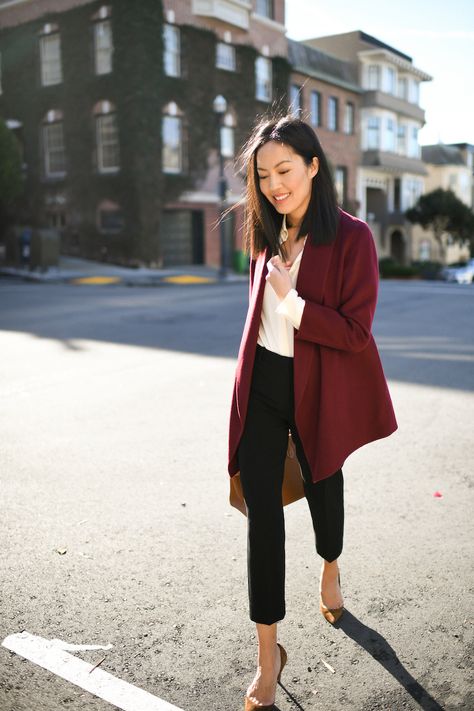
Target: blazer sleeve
{"type": "Point", "coordinates": [348, 327]}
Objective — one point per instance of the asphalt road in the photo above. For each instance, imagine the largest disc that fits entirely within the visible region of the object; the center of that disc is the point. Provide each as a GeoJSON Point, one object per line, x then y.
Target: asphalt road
{"type": "Point", "coordinates": [116, 528]}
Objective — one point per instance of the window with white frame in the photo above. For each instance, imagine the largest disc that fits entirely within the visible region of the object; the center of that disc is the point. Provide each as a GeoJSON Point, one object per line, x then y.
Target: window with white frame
{"type": "Point", "coordinates": [464, 186]}
{"type": "Point", "coordinates": [340, 182]}
{"type": "Point", "coordinates": [54, 152]}
{"type": "Point", "coordinates": [50, 57]}
{"type": "Point", "coordinates": [172, 49]}
{"type": "Point", "coordinates": [413, 190]}
{"type": "Point", "coordinates": [172, 137]}
{"type": "Point", "coordinates": [227, 136]}
{"type": "Point", "coordinates": [413, 147]}
{"type": "Point", "coordinates": [103, 47]}
{"type": "Point", "coordinates": [424, 250]}
{"type": "Point", "coordinates": [315, 108]}
{"type": "Point", "coordinates": [391, 80]}
{"type": "Point", "coordinates": [265, 8]}
{"type": "Point", "coordinates": [225, 56]}
{"type": "Point", "coordinates": [349, 118]}
{"type": "Point", "coordinates": [403, 88]}
{"type": "Point", "coordinates": [263, 79]}
{"type": "Point", "coordinates": [333, 113]}
{"type": "Point", "coordinates": [373, 133]}
{"type": "Point", "coordinates": [415, 92]}
{"type": "Point", "coordinates": [107, 140]}
{"type": "Point", "coordinates": [402, 139]}
{"type": "Point", "coordinates": [296, 104]}
{"type": "Point", "coordinates": [373, 76]}
{"type": "Point", "coordinates": [390, 136]}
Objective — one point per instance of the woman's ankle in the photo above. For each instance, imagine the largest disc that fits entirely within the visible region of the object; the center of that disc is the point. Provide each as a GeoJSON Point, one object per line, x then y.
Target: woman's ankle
{"type": "Point", "coordinates": [266, 658]}
{"type": "Point", "coordinates": [330, 566]}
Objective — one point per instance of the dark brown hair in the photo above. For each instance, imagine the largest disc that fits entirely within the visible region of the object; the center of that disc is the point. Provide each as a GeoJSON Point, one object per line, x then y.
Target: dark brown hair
{"type": "Point", "coordinates": [262, 221]}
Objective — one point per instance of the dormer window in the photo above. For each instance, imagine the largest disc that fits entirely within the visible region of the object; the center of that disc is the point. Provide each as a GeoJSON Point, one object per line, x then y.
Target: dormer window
{"type": "Point", "coordinates": [373, 76]}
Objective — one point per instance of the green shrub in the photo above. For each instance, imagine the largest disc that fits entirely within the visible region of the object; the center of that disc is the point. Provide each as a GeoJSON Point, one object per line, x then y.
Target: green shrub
{"type": "Point", "coordinates": [388, 267]}
{"type": "Point", "coordinates": [428, 270]}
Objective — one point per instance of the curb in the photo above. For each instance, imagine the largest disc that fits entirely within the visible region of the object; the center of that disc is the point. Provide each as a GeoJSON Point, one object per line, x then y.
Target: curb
{"type": "Point", "coordinates": [147, 279]}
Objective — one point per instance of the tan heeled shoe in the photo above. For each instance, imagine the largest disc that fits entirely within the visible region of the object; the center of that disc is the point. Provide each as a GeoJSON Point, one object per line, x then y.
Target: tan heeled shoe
{"type": "Point", "coordinates": [331, 614]}
{"type": "Point", "coordinates": [249, 705]}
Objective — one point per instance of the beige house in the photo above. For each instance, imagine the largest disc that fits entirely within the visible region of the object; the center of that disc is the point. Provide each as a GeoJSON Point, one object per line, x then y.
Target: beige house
{"type": "Point", "coordinates": [391, 174]}
{"type": "Point", "coordinates": [450, 168]}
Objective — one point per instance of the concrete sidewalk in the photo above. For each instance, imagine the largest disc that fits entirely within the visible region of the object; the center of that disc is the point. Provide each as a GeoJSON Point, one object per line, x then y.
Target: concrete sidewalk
{"type": "Point", "coordinates": [72, 270]}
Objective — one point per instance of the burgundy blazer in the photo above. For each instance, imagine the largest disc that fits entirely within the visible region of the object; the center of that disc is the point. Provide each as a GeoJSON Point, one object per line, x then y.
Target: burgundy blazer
{"type": "Point", "coordinates": [342, 399]}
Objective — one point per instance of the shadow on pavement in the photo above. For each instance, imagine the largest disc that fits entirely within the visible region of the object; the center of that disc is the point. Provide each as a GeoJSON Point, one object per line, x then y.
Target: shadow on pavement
{"type": "Point", "coordinates": [378, 647]}
{"type": "Point", "coordinates": [423, 332]}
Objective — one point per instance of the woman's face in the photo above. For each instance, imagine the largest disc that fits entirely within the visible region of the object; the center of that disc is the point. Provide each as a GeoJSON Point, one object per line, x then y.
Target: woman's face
{"type": "Point", "coordinates": [285, 179]}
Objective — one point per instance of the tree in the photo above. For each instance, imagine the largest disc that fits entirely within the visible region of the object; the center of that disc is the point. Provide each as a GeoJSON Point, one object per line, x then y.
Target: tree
{"type": "Point", "coordinates": [11, 182]}
{"type": "Point", "coordinates": [441, 211]}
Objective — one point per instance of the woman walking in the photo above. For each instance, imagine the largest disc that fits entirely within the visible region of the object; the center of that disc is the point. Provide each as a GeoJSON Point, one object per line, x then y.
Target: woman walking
{"type": "Point", "coordinates": [307, 365]}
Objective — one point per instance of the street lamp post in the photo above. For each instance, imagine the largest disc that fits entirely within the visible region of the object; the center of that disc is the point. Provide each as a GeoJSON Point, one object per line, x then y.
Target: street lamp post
{"type": "Point", "coordinates": [220, 108]}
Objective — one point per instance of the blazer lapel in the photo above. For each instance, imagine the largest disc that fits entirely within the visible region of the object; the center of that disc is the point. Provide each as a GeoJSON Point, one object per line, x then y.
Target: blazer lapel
{"type": "Point", "coordinates": [313, 271]}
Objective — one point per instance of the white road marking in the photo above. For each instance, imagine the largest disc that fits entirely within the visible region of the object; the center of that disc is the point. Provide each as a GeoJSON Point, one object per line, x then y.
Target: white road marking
{"type": "Point", "coordinates": [60, 644]}
{"type": "Point", "coordinates": [51, 655]}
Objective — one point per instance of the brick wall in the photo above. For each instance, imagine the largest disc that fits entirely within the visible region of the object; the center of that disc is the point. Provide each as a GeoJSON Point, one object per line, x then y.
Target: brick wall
{"type": "Point", "coordinates": [261, 31]}
{"type": "Point", "coordinates": [341, 149]}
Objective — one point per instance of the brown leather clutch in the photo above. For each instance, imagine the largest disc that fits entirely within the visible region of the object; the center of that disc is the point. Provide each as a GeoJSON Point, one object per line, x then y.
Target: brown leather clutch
{"type": "Point", "coordinates": [292, 487]}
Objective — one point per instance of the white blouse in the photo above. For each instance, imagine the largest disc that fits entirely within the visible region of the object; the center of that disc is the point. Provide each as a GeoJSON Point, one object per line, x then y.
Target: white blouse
{"type": "Point", "coordinates": [280, 317]}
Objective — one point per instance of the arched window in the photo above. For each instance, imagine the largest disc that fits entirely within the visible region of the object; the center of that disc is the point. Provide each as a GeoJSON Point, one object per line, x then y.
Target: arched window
{"type": "Point", "coordinates": [54, 153]}
{"type": "Point", "coordinates": [228, 135]}
{"type": "Point", "coordinates": [172, 50]}
{"type": "Point", "coordinates": [103, 45]}
{"type": "Point", "coordinates": [172, 136]}
{"type": "Point", "coordinates": [107, 142]}
{"type": "Point", "coordinates": [50, 55]}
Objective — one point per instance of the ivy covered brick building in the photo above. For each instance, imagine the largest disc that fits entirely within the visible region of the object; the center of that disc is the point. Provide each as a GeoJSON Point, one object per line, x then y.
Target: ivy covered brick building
{"type": "Point", "coordinates": [112, 105]}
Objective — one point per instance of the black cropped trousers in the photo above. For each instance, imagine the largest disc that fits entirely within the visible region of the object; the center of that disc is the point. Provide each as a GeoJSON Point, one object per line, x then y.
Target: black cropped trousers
{"type": "Point", "coordinates": [261, 456]}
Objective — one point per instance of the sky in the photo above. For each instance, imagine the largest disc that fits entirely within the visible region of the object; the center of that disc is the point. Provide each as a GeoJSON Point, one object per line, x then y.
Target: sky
{"type": "Point", "coordinates": [437, 35]}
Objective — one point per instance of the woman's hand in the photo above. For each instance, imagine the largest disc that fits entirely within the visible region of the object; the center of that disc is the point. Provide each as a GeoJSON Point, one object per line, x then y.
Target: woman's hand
{"type": "Point", "coordinates": [278, 276]}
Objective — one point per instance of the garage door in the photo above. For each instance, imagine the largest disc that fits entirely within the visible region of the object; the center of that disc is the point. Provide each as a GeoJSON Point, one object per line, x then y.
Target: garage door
{"type": "Point", "coordinates": [182, 237]}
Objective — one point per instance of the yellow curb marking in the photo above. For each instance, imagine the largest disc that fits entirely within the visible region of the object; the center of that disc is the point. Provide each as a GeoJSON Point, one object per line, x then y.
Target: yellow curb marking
{"type": "Point", "coordinates": [96, 280]}
{"type": "Point", "coordinates": [189, 279]}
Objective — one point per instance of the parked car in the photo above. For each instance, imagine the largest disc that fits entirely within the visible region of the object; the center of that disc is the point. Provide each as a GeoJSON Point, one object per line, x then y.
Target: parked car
{"type": "Point", "coordinates": [460, 274]}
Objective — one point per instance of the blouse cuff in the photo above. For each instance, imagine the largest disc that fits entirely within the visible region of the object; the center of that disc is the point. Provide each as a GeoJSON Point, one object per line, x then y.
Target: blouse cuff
{"type": "Point", "coordinates": [291, 307]}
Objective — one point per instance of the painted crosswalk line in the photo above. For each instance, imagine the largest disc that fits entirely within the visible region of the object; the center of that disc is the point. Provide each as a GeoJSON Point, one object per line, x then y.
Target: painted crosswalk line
{"type": "Point", "coordinates": [52, 655]}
